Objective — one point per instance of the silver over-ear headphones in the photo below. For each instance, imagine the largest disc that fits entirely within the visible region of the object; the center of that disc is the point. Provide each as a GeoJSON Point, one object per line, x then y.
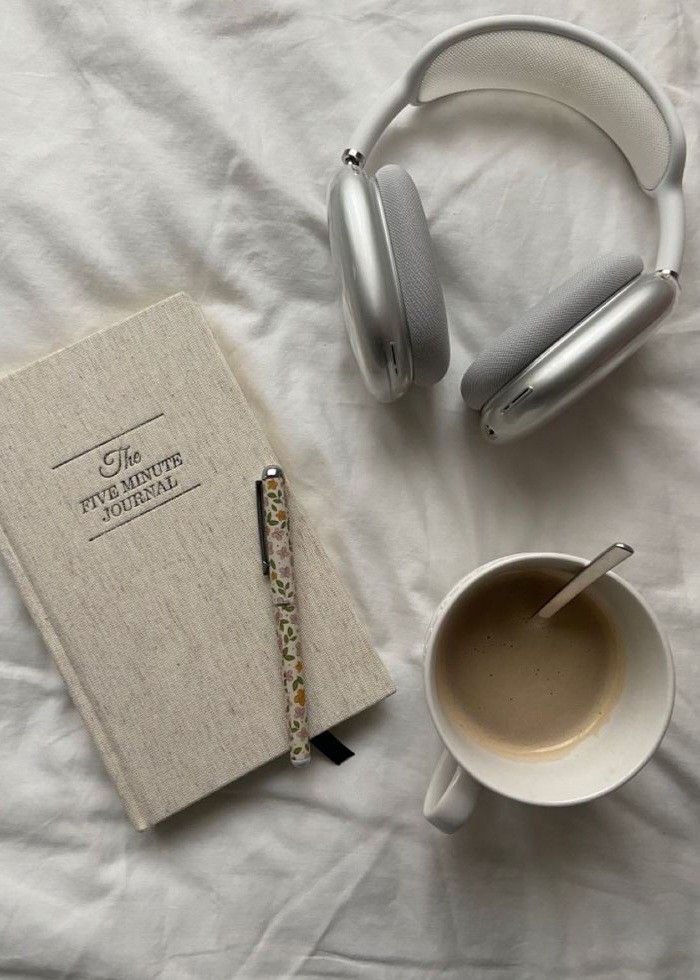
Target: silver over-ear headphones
{"type": "Point", "coordinates": [392, 299]}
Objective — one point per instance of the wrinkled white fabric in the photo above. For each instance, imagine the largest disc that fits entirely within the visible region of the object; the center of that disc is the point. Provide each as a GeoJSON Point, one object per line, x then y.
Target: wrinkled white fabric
{"type": "Point", "coordinates": [153, 146]}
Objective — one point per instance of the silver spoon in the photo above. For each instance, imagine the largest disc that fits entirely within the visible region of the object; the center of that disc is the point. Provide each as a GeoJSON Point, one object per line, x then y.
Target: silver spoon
{"type": "Point", "coordinates": [606, 560]}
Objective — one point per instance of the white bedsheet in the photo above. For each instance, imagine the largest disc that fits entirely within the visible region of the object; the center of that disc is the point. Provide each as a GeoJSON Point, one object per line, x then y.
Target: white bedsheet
{"type": "Point", "coordinates": [159, 145]}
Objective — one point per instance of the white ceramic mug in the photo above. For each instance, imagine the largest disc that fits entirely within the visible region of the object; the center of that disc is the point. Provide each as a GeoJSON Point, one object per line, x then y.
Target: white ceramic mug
{"type": "Point", "coordinates": [596, 764]}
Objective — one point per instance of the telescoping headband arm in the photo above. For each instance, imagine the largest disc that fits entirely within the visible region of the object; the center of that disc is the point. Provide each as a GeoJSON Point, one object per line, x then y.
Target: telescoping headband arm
{"type": "Point", "coordinates": [567, 64]}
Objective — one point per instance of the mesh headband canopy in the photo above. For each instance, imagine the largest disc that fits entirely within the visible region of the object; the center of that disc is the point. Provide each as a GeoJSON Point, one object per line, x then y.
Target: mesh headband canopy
{"type": "Point", "coordinates": [566, 71]}
{"type": "Point", "coordinates": [567, 64]}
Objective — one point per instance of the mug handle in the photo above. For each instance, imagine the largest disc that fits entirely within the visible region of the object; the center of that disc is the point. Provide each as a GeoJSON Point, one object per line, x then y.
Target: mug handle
{"type": "Point", "coordinates": [451, 795]}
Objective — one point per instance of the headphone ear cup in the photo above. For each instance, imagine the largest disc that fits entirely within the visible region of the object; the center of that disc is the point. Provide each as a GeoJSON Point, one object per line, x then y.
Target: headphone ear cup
{"type": "Point", "coordinates": [544, 324]}
{"type": "Point", "coordinates": [423, 301]}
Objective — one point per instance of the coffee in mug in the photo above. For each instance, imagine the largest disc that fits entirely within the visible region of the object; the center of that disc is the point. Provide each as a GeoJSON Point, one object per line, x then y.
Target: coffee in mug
{"type": "Point", "coordinates": [550, 712]}
{"type": "Point", "coordinates": [522, 685]}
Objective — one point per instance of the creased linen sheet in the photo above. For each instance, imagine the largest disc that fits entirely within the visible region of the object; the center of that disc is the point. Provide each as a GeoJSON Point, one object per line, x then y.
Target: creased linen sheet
{"type": "Point", "coordinates": [153, 146]}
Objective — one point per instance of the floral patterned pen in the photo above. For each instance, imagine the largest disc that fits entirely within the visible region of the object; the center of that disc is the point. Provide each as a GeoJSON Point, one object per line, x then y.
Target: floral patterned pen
{"type": "Point", "coordinates": [277, 562]}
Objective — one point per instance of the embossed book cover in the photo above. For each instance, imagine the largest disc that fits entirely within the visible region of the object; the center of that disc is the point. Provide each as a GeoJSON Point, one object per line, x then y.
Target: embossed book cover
{"type": "Point", "coordinates": [127, 516]}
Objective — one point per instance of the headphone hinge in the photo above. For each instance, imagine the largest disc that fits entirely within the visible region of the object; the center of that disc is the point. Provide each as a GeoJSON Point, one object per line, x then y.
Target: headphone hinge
{"type": "Point", "coordinates": [354, 157]}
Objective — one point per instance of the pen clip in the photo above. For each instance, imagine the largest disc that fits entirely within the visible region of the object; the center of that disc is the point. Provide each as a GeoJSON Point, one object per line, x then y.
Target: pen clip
{"type": "Point", "coordinates": [264, 557]}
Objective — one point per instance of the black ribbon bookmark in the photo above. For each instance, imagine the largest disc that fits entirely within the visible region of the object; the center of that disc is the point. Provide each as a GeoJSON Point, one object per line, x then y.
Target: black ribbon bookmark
{"type": "Point", "coordinates": [332, 748]}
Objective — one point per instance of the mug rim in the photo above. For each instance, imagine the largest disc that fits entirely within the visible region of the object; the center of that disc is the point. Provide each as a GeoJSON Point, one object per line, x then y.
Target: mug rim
{"type": "Point", "coordinates": [446, 735]}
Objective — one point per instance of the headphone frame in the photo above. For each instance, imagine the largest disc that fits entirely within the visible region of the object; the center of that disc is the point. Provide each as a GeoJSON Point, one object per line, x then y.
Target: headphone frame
{"type": "Point", "coordinates": [371, 295]}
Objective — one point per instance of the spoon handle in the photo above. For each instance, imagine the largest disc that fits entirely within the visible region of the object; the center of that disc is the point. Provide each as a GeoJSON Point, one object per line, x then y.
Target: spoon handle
{"type": "Point", "coordinates": [606, 560]}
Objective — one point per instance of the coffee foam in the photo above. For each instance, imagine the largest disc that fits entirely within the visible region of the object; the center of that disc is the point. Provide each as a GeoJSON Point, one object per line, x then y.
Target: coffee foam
{"type": "Point", "coordinates": [524, 686]}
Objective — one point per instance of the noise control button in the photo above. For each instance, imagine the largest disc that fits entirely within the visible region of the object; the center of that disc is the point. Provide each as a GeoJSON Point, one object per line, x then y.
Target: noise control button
{"type": "Point", "coordinates": [518, 398]}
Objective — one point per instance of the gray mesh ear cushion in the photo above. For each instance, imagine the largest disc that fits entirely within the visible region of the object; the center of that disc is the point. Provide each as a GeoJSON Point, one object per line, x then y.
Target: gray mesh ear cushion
{"type": "Point", "coordinates": [545, 323]}
{"type": "Point", "coordinates": [423, 301]}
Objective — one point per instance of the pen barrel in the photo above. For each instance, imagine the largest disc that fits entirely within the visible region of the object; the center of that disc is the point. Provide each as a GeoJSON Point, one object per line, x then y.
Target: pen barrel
{"type": "Point", "coordinates": [295, 689]}
{"type": "Point", "coordinates": [281, 571]}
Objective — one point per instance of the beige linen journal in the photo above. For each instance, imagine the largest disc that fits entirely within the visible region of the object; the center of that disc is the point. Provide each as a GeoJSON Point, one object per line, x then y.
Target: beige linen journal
{"type": "Point", "coordinates": [127, 516]}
